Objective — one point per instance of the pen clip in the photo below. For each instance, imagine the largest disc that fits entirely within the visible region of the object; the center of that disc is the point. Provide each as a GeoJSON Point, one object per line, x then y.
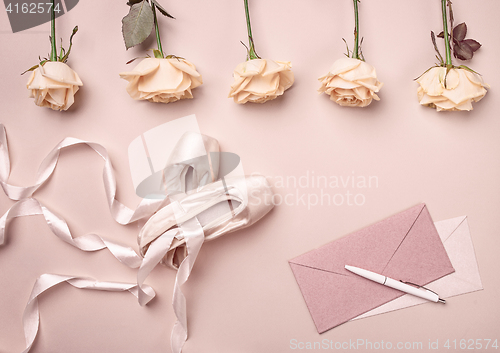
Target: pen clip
{"type": "Point", "coordinates": [427, 289]}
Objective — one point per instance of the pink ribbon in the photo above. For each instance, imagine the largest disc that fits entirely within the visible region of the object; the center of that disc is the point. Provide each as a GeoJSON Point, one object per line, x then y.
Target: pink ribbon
{"type": "Point", "coordinates": [31, 316]}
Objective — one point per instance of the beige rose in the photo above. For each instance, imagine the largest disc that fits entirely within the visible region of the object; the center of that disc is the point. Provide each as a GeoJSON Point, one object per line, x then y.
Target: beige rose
{"type": "Point", "coordinates": [260, 80]}
{"type": "Point", "coordinates": [162, 80]}
{"type": "Point", "coordinates": [54, 85]}
{"type": "Point", "coordinates": [351, 83]}
{"type": "Point", "coordinates": [462, 88]}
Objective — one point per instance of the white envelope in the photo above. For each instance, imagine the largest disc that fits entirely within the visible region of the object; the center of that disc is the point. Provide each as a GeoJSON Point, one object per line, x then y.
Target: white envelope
{"type": "Point", "coordinates": [457, 241]}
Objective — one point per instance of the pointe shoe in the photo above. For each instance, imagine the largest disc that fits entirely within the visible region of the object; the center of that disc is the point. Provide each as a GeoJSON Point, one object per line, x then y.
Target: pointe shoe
{"type": "Point", "coordinates": [222, 207]}
{"type": "Point", "coordinates": [193, 151]}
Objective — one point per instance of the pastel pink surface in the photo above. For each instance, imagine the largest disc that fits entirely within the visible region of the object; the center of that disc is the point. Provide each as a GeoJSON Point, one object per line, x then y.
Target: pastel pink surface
{"type": "Point", "coordinates": [242, 296]}
{"type": "Point", "coordinates": [405, 246]}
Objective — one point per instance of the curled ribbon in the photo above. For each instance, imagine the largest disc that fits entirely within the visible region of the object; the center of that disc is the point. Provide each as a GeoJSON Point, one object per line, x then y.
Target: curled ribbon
{"type": "Point", "coordinates": [87, 242]}
{"type": "Point", "coordinates": [27, 206]}
{"type": "Point", "coordinates": [31, 316]}
{"type": "Point", "coordinates": [192, 231]}
{"type": "Point", "coordinates": [121, 213]}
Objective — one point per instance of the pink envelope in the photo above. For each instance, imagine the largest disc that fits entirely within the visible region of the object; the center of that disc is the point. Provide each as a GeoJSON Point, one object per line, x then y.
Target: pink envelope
{"type": "Point", "coordinates": [457, 241]}
{"type": "Point", "coordinates": [405, 247]}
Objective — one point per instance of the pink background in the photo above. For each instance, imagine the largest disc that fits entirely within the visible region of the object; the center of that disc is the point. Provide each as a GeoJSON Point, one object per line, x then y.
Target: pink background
{"type": "Point", "coordinates": [242, 296]}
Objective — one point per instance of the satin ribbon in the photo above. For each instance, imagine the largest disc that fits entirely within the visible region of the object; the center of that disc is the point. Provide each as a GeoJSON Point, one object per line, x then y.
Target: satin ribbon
{"type": "Point", "coordinates": [87, 242]}
{"type": "Point", "coordinates": [121, 213]}
{"type": "Point", "coordinates": [27, 206]}
{"type": "Point", "coordinates": [31, 316]}
{"type": "Point", "coordinates": [192, 231]}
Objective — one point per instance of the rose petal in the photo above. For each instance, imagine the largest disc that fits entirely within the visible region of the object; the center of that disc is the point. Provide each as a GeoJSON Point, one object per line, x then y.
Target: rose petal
{"type": "Point", "coordinates": [339, 82]}
{"type": "Point", "coordinates": [185, 66]}
{"type": "Point", "coordinates": [343, 65]}
{"type": "Point", "coordinates": [273, 67]}
{"type": "Point", "coordinates": [466, 90]}
{"type": "Point", "coordinates": [239, 85]}
{"type": "Point", "coordinates": [260, 80]}
{"type": "Point", "coordinates": [250, 67]}
{"type": "Point", "coordinates": [363, 71]}
{"type": "Point", "coordinates": [162, 80]}
{"type": "Point", "coordinates": [452, 79]}
{"type": "Point", "coordinates": [286, 79]}
{"type": "Point", "coordinates": [431, 81]}
{"type": "Point", "coordinates": [263, 85]}
{"type": "Point", "coordinates": [475, 78]}
{"type": "Point", "coordinates": [351, 82]}
{"type": "Point", "coordinates": [54, 85]}
{"type": "Point", "coordinates": [61, 73]}
{"type": "Point", "coordinates": [145, 67]}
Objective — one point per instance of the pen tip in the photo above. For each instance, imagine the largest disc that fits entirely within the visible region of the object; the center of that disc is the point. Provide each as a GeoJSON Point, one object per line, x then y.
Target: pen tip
{"type": "Point", "coordinates": [441, 301]}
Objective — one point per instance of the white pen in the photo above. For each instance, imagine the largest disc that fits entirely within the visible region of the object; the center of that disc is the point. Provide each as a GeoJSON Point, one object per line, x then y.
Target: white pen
{"type": "Point", "coordinates": [389, 282]}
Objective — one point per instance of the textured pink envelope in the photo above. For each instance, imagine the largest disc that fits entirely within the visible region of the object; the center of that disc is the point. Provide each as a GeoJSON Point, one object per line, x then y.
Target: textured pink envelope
{"type": "Point", "coordinates": [405, 247]}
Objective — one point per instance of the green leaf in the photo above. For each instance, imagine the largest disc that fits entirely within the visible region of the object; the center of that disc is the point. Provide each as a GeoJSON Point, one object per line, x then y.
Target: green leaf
{"type": "Point", "coordinates": [157, 54]}
{"type": "Point", "coordinates": [35, 66]}
{"type": "Point", "coordinates": [138, 24]}
{"type": "Point", "coordinates": [62, 51]}
{"type": "Point", "coordinates": [161, 9]}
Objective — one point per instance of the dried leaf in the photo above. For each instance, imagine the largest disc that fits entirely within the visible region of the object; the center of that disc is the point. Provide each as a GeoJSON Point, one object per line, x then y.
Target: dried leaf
{"type": "Point", "coordinates": [460, 31]}
{"type": "Point", "coordinates": [441, 34]}
{"type": "Point", "coordinates": [35, 66]}
{"type": "Point", "coordinates": [131, 61]}
{"type": "Point", "coordinates": [347, 48]}
{"type": "Point", "coordinates": [475, 45]}
{"type": "Point", "coordinates": [452, 18]}
{"type": "Point", "coordinates": [425, 72]}
{"type": "Point", "coordinates": [468, 69]}
{"type": "Point", "coordinates": [138, 24]}
{"type": "Point", "coordinates": [162, 10]}
{"type": "Point", "coordinates": [462, 51]}
{"type": "Point", "coordinates": [132, 2]}
{"type": "Point", "coordinates": [433, 37]}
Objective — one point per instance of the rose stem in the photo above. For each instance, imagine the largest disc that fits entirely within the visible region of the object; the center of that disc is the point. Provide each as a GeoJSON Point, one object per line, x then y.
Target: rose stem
{"type": "Point", "coordinates": [158, 40]}
{"type": "Point", "coordinates": [53, 52]}
{"type": "Point", "coordinates": [445, 33]}
{"type": "Point", "coordinates": [251, 52]}
{"type": "Point", "coordinates": [355, 53]}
